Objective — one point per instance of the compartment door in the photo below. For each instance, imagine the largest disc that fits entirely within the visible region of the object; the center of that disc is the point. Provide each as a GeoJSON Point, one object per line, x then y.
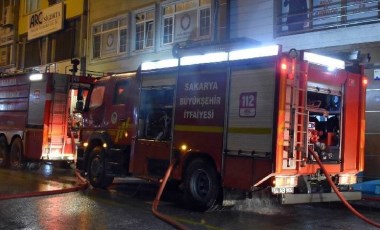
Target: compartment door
{"type": "Point", "coordinates": [250, 126]}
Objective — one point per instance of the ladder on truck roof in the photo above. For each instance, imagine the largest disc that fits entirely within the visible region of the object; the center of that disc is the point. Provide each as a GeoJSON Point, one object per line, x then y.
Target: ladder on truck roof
{"type": "Point", "coordinates": [58, 119]}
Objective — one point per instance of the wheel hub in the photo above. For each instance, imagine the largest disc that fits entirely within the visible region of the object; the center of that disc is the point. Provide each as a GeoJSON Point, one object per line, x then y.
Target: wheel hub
{"type": "Point", "coordinates": [200, 184]}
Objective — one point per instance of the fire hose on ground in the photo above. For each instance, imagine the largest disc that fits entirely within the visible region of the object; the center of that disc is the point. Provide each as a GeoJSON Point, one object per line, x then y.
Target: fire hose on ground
{"type": "Point", "coordinates": [81, 185]}
{"type": "Point", "coordinates": [339, 194]}
{"type": "Point", "coordinates": [156, 201]}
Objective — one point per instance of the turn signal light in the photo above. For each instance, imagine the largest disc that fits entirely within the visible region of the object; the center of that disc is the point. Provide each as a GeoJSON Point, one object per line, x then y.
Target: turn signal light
{"type": "Point", "coordinates": [183, 147]}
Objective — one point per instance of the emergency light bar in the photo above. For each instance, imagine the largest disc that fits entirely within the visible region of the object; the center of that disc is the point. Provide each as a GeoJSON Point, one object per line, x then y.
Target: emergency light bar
{"type": "Point", "coordinates": [35, 77]}
{"type": "Point", "coordinates": [167, 63]}
{"type": "Point", "coordinates": [331, 63]}
{"type": "Point", "coordinates": [265, 51]}
{"type": "Point", "coordinates": [206, 58]}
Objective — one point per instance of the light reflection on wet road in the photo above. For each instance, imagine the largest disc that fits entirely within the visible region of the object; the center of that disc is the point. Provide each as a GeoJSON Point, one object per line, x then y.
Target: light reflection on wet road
{"type": "Point", "coordinates": [46, 178]}
{"type": "Point", "coordinates": [128, 206]}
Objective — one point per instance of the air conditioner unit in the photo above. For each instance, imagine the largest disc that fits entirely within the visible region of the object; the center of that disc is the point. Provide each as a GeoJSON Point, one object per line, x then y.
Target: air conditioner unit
{"type": "Point", "coordinates": [8, 16]}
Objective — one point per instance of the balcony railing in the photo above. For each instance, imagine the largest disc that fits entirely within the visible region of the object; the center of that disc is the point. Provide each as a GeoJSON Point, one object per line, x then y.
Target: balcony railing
{"type": "Point", "coordinates": [302, 16]}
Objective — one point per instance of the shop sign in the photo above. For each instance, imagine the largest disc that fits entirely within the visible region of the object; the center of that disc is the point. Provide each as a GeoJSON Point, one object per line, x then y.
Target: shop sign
{"type": "Point", "coordinates": [45, 21]}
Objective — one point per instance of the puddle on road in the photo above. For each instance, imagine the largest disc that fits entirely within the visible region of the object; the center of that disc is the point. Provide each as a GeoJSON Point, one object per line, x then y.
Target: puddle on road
{"type": "Point", "coordinates": [260, 206]}
{"type": "Point", "coordinates": [46, 178]}
{"type": "Point", "coordinates": [261, 203]}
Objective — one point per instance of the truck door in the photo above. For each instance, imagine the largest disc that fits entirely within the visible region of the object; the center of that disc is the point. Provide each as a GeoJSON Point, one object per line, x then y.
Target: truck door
{"type": "Point", "coordinates": [96, 107]}
{"type": "Point", "coordinates": [119, 116]}
{"type": "Point", "coordinates": [152, 147]}
{"type": "Point", "coordinates": [37, 109]}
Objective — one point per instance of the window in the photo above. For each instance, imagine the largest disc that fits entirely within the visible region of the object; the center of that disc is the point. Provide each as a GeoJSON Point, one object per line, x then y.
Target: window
{"type": "Point", "coordinates": [121, 93]}
{"type": "Point", "coordinates": [123, 41]}
{"type": "Point", "coordinates": [168, 30]}
{"type": "Point", "coordinates": [97, 97]}
{"type": "Point", "coordinates": [110, 38]}
{"type": "Point", "coordinates": [168, 24]}
{"type": "Point", "coordinates": [144, 37]}
{"type": "Point", "coordinates": [69, 36]}
{"type": "Point", "coordinates": [5, 55]}
{"type": "Point", "coordinates": [52, 2]}
{"type": "Point", "coordinates": [205, 19]}
{"type": "Point", "coordinates": [312, 15]}
{"type": "Point", "coordinates": [32, 53]}
{"type": "Point", "coordinates": [32, 6]}
{"type": "Point", "coordinates": [186, 20]}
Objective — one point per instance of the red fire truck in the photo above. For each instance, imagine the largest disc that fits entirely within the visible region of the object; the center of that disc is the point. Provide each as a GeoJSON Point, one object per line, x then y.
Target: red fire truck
{"type": "Point", "coordinates": [235, 121]}
{"type": "Point", "coordinates": [34, 112]}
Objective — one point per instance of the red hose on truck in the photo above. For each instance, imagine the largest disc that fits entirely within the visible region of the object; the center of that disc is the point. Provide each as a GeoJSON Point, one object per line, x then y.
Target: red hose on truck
{"type": "Point", "coordinates": [340, 196]}
{"type": "Point", "coordinates": [81, 185]}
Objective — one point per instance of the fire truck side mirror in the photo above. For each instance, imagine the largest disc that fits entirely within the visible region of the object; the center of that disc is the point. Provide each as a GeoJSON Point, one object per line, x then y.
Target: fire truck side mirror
{"type": "Point", "coordinates": [75, 63]}
{"type": "Point", "coordinates": [79, 104]}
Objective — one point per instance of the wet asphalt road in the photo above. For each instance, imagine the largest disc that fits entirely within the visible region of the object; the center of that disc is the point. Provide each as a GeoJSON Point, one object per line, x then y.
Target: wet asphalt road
{"type": "Point", "coordinates": [127, 205]}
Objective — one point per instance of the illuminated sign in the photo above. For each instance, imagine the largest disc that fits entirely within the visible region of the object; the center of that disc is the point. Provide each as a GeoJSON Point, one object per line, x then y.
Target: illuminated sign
{"type": "Point", "coordinates": [45, 21]}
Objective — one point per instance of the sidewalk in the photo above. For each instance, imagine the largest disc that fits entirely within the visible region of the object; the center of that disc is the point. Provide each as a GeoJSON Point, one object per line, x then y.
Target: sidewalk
{"type": "Point", "coordinates": [371, 194]}
{"type": "Point", "coordinates": [370, 201]}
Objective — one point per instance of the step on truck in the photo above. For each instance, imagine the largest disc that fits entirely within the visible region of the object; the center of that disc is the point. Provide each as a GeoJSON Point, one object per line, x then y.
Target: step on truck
{"type": "Point", "coordinates": [235, 121]}
{"type": "Point", "coordinates": [35, 117]}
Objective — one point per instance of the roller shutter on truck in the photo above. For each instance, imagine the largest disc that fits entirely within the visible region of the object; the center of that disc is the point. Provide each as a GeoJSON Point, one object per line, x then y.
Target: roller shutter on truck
{"type": "Point", "coordinates": [250, 116]}
{"type": "Point", "coordinates": [250, 131]}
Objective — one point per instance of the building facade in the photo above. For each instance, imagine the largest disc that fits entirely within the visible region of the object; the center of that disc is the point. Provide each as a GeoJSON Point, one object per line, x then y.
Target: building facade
{"type": "Point", "coordinates": [8, 31]}
{"type": "Point", "coordinates": [123, 34]}
{"type": "Point", "coordinates": [42, 35]}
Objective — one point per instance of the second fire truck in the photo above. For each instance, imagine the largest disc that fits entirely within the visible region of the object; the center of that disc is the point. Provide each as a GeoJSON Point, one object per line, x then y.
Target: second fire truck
{"type": "Point", "coordinates": [234, 121]}
{"type": "Point", "coordinates": [34, 117]}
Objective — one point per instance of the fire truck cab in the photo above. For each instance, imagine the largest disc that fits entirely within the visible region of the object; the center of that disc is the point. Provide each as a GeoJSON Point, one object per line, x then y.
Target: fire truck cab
{"type": "Point", "coordinates": [236, 120]}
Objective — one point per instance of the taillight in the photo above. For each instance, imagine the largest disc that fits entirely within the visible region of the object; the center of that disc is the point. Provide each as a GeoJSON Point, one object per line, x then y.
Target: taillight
{"type": "Point", "coordinates": [365, 81]}
{"type": "Point", "coordinates": [284, 66]}
{"type": "Point", "coordinates": [347, 179]}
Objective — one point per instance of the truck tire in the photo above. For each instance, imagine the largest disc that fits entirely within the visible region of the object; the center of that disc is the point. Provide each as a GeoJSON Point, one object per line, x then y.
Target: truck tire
{"type": "Point", "coordinates": [202, 186]}
{"type": "Point", "coordinates": [97, 169]}
{"type": "Point", "coordinates": [16, 155]}
{"type": "Point", "coordinates": [4, 153]}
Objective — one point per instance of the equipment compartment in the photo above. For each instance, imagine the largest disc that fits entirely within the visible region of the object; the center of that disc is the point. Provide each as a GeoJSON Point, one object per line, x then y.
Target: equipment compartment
{"type": "Point", "coordinates": [324, 124]}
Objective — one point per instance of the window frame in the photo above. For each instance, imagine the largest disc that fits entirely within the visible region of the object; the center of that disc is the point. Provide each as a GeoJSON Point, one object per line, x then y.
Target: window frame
{"type": "Point", "coordinates": [200, 5]}
{"type": "Point", "coordinates": [32, 6]}
{"type": "Point", "coordinates": [144, 29]}
{"type": "Point", "coordinates": [325, 16]}
{"type": "Point", "coordinates": [103, 29]}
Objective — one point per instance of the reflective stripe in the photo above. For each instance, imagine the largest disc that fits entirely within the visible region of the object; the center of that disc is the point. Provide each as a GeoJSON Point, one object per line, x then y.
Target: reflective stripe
{"type": "Point", "coordinates": [203, 128]}
{"type": "Point", "coordinates": [258, 131]}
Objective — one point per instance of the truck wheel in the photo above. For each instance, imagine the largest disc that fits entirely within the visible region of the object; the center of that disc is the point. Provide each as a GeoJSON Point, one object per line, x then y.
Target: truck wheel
{"type": "Point", "coordinates": [4, 153]}
{"type": "Point", "coordinates": [202, 186]}
{"type": "Point", "coordinates": [97, 169]}
{"type": "Point", "coordinates": [16, 155]}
